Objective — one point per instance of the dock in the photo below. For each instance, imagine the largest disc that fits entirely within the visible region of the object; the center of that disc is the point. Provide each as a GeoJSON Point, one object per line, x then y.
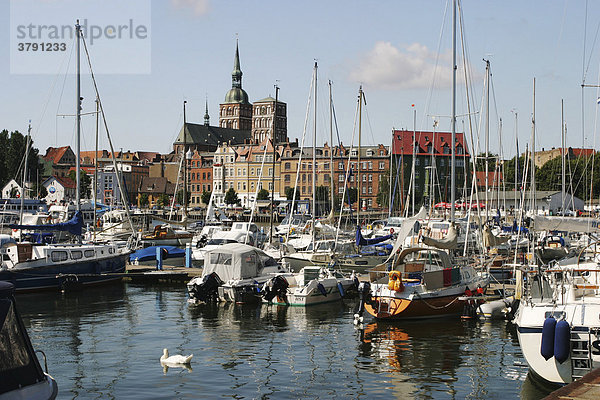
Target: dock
{"type": "Point", "coordinates": [169, 274]}
{"type": "Point", "coordinates": [585, 388]}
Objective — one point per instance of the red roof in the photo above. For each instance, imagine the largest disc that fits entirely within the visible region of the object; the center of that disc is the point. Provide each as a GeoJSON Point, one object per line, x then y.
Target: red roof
{"type": "Point", "coordinates": [403, 142]}
{"type": "Point", "coordinates": [67, 183]}
{"type": "Point", "coordinates": [55, 154]}
{"type": "Point", "coordinates": [582, 152]}
{"type": "Point", "coordinates": [480, 176]}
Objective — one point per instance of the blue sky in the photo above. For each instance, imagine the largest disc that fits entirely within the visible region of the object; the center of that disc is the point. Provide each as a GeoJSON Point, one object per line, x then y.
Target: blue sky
{"type": "Point", "coordinates": [391, 47]}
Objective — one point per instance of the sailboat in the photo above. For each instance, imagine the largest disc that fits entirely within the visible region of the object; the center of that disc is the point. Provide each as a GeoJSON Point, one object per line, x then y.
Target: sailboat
{"type": "Point", "coordinates": [420, 281]}
{"type": "Point", "coordinates": [32, 266]}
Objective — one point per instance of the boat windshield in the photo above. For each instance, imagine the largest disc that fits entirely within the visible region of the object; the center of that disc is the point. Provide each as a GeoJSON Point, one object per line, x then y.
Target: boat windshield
{"type": "Point", "coordinates": [220, 241]}
{"type": "Point", "coordinates": [17, 366]}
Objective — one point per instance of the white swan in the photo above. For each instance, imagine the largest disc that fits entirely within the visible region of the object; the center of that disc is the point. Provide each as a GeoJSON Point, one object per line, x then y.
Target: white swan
{"type": "Point", "coordinates": [176, 359]}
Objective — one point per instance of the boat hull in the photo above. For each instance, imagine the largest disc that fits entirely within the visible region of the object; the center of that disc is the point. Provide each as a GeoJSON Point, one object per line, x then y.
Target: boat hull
{"type": "Point", "coordinates": [59, 276]}
{"type": "Point", "coordinates": [393, 308]}
{"type": "Point", "coordinates": [584, 352]}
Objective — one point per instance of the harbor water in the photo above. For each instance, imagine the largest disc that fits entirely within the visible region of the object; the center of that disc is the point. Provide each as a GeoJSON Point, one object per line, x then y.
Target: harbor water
{"type": "Point", "coordinates": [105, 343]}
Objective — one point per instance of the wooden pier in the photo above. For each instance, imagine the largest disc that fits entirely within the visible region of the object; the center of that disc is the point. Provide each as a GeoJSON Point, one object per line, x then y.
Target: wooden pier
{"type": "Point", "coordinates": [585, 388]}
{"type": "Point", "coordinates": [169, 274]}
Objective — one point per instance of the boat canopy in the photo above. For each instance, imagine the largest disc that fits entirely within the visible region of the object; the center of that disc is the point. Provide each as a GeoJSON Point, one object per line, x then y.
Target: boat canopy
{"type": "Point", "coordinates": [73, 226]}
{"type": "Point", "coordinates": [236, 261]}
{"type": "Point", "coordinates": [565, 224]}
{"type": "Point", "coordinates": [361, 241]}
{"type": "Point", "coordinates": [149, 253]}
{"type": "Point", "coordinates": [449, 242]}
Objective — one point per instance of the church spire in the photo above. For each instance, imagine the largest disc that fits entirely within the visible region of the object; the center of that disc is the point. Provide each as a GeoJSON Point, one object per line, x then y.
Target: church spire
{"type": "Point", "coordinates": [206, 116]}
{"type": "Point", "coordinates": [236, 75]}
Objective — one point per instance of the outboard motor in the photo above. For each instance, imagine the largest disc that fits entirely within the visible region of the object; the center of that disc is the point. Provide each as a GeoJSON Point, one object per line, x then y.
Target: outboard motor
{"type": "Point", "coordinates": [275, 287]}
{"type": "Point", "coordinates": [364, 296]}
{"type": "Point", "coordinates": [207, 290]}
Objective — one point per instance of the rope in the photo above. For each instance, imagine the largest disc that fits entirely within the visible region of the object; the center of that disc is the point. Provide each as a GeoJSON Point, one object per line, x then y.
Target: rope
{"type": "Point", "coordinates": [435, 307]}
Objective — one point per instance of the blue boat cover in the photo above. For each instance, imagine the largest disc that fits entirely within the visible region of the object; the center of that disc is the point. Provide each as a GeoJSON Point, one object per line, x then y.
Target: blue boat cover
{"type": "Point", "coordinates": [73, 226]}
{"type": "Point", "coordinates": [361, 241]}
{"type": "Point", "coordinates": [149, 253]}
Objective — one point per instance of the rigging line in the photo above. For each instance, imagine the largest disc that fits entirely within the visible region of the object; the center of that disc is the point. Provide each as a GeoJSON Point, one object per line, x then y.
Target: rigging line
{"type": "Point", "coordinates": [101, 108]}
{"type": "Point", "coordinates": [291, 213]}
{"type": "Point", "coordinates": [63, 87]}
{"type": "Point", "coordinates": [583, 69]}
{"type": "Point", "coordinates": [39, 123]}
{"type": "Point", "coordinates": [589, 61]}
{"type": "Point", "coordinates": [429, 97]}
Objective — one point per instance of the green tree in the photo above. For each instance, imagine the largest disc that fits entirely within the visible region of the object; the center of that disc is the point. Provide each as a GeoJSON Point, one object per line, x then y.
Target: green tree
{"type": "Point", "coordinates": [205, 197]}
{"type": "Point", "coordinates": [85, 185]}
{"type": "Point", "coordinates": [180, 198]}
{"type": "Point", "coordinates": [289, 193]}
{"type": "Point", "coordinates": [263, 194]}
{"type": "Point", "coordinates": [231, 197]}
{"type": "Point", "coordinates": [491, 161]}
{"type": "Point", "coordinates": [351, 195]}
{"type": "Point", "coordinates": [39, 191]}
{"type": "Point", "coordinates": [163, 200]}
{"type": "Point", "coordinates": [144, 200]}
{"type": "Point", "coordinates": [12, 157]}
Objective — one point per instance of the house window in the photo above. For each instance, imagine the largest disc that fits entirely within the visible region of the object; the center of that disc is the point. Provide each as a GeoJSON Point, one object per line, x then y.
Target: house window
{"type": "Point", "coordinates": [370, 165]}
{"type": "Point", "coordinates": [417, 162]}
{"type": "Point", "coordinates": [370, 178]}
{"type": "Point", "coordinates": [326, 178]}
{"type": "Point", "coordinates": [341, 189]}
{"type": "Point", "coordinates": [364, 190]}
{"type": "Point", "coordinates": [370, 190]}
{"type": "Point", "coordinates": [287, 165]}
{"type": "Point", "coordinates": [364, 178]}
{"type": "Point", "coordinates": [341, 178]}
{"type": "Point", "coordinates": [381, 165]}
{"type": "Point", "coordinates": [341, 165]}
{"type": "Point", "coordinates": [286, 178]}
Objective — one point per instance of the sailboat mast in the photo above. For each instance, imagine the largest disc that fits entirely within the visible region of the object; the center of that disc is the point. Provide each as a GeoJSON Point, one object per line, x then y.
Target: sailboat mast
{"type": "Point", "coordinates": [562, 150]}
{"type": "Point", "coordinates": [331, 187]}
{"type": "Point", "coordinates": [184, 155]}
{"type": "Point", "coordinates": [23, 187]}
{"type": "Point", "coordinates": [414, 162]}
{"type": "Point", "coordinates": [453, 119]}
{"type": "Point", "coordinates": [358, 184]}
{"type": "Point", "coordinates": [96, 163]}
{"type": "Point", "coordinates": [391, 194]}
{"type": "Point", "coordinates": [314, 159]}
{"type": "Point", "coordinates": [532, 195]}
{"type": "Point", "coordinates": [487, 135]}
{"type": "Point", "coordinates": [273, 127]}
{"type": "Point", "coordinates": [78, 117]}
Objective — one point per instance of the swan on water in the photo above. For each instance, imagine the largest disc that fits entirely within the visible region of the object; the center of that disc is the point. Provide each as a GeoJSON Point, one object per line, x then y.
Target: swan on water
{"type": "Point", "coordinates": [175, 359]}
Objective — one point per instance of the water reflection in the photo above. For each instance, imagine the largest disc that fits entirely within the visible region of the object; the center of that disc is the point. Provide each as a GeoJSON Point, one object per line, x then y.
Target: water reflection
{"type": "Point", "coordinates": [106, 343]}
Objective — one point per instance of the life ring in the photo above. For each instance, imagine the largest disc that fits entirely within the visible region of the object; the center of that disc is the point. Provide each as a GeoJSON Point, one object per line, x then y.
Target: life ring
{"type": "Point", "coordinates": [395, 281]}
{"type": "Point", "coordinates": [391, 231]}
{"type": "Point", "coordinates": [369, 227]}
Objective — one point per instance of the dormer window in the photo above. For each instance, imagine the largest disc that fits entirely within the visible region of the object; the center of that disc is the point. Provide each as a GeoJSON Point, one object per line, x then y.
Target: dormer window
{"type": "Point", "coordinates": [354, 153]}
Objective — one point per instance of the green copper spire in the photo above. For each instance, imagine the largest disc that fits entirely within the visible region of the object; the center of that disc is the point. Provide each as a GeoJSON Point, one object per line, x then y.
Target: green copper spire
{"type": "Point", "coordinates": [236, 75]}
{"type": "Point", "coordinates": [206, 116]}
{"type": "Point", "coordinates": [236, 94]}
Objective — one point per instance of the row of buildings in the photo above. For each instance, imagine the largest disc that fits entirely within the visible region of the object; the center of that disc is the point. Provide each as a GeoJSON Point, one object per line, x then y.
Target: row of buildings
{"type": "Point", "coordinates": [249, 149]}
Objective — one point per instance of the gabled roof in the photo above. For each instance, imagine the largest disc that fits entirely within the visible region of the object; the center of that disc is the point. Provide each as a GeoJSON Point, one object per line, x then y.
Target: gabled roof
{"type": "Point", "coordinates": [55, 154]}
{"type": "Point", "coordinates": [156, 185]}
{"type": "Point", "coordinates": [65, 182]}
{"type": "Point", "coordinates": [403, 142]}
{"type": "Point", "coordinates": [203, 135]}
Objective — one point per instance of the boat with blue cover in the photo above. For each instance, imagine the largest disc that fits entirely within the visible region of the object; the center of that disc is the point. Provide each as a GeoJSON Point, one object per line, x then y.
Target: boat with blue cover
{"type": "Point", "coordinates": [147, 256]}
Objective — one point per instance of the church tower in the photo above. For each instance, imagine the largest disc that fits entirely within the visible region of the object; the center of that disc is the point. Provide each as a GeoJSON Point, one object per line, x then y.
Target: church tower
{"type": "Point", "coordinates": [236, 111]}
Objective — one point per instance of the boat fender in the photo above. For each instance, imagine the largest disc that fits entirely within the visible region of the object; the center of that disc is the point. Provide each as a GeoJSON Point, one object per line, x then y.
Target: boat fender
{"type": "Point", "coordinates": [548, 331]}
{"type": "Point", "coordinates": [341, 289]}
{"type": "Point", "coordinates": [165, 253]}
{"type": "Point", "coordinates": [322, 289]}
{"type": "Point", "coordinates": [562, 341]}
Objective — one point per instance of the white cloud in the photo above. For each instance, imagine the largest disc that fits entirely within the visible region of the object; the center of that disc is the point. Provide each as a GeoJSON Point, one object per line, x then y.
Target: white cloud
{"type": "Point", "coordinates": [411, 67]}
{"type": "Point", "coordinates": [198, 7]}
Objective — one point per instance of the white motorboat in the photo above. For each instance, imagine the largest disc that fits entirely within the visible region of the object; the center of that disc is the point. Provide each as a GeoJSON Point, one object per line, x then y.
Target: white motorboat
{"type": "Point", "coordinates": [312, 285]}
{"type": "Point", "coordinates": [557, 321]}
{"type": "Point", "coordinates": [234, 272]}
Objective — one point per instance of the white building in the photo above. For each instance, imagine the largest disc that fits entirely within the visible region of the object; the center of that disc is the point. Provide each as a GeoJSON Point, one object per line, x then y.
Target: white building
{"type": "Point", "coordinates": [59, 190]}
{"type": "Point", "coordinates": [12, 187]}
